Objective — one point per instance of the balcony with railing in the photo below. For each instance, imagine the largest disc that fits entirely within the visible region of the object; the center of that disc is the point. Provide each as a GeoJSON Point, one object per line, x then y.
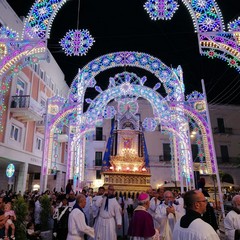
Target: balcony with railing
{"type": "Point", "coordinates": [227, 131]}
{"type": "Point", "coordinates": [25, 108]}
{"type": "Point", "coordinates": [40, 125]}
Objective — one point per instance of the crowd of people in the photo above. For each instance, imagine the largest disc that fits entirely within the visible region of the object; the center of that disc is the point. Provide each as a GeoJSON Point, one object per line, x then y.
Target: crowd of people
{"type": "Point", "coordinates": [156, 214]}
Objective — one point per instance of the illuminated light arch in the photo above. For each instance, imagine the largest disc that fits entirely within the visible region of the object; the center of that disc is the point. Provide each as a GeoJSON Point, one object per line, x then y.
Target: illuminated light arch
{"type": "Point", "coordinates": [100, 102]}
{"type": "Point", "coordinates": [203, 125]}
{"type": "Point", "coordinates": [175, 162]}
{"type": "Point", "coordinates": [97, 105]}
{"type": "Point", "coordinates": [170, 78]}
{"type": "Point", "coordinates": [171, 81]}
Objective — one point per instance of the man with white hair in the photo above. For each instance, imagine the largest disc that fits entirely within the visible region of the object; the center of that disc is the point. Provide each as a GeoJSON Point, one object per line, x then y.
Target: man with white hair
{"type": "Point", "coordinates": [141, 225]}
{"type": "Point", "coordinates": [167, 214]}
{"type": "Point", "coordinates": [232, 220]}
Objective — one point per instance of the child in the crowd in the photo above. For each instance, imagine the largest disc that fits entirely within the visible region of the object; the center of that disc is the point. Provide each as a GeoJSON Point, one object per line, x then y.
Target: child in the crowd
{"type": "Point", "coordinates": [31, 233]}
{"type": "Point", "coordinates": [10, 214]}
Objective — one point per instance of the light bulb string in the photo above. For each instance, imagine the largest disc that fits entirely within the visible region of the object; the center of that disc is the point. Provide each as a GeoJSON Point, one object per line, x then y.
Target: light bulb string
{"type": "Point", "coordinates": [78, 14]}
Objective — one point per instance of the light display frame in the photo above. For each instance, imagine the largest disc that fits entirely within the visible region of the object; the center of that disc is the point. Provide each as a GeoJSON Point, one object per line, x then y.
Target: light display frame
{"type": "Point", "coordinates": [207, 20]}
{"type": "Point", "coordinates": [214, 41]}
{"type": "Point", "coordinates": [173, 115]}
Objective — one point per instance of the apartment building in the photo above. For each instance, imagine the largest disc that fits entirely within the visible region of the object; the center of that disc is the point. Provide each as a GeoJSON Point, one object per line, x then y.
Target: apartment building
{"type": "Point", "coordinates": [22, 139]}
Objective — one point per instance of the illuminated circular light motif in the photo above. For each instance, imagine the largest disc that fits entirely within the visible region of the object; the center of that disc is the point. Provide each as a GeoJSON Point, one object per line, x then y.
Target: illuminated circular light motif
{"type": "Point", "coordinates": [10, 170]}
{"type": "Point", "coordinates": [200, 106]}
{"type": "Point", "coordinates": [77, 42]}
{"type": "Point", "coordinates": [128, 106]}
{"type": "Point", "coordinates": [195, 95]}
{"type": "Point", "coordinates": [234, 25]}
{"type": "Point", "coordinates": [126, 88]}
{"type": "Point", "coordinates": [208, 23]}
{"type": "Point", "coordinates": [232, 62]}
{"type": "Point", "coordinates": [211, 54]}
{"type": "Point", "coordinates": [149, 124]}
{"type": "Point", "coordinates": [161, 9]}
{"type": "Point", "coordinates": [202, 5]}
{"type": "Point", "coordinates": [109, 112]}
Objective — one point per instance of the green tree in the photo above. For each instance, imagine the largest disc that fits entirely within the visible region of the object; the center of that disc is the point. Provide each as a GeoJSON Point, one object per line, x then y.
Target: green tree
{"type": "Point", "coordinates": [45, 212]}
{"type": "Point", "coordinates": [21, 210]}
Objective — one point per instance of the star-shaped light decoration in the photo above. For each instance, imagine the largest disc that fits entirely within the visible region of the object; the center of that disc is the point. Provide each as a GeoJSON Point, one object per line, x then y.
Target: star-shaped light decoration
{"type": "Point", "coordinates": [161, 9]}
{"type": "Point", "coordinates": [77, 42]}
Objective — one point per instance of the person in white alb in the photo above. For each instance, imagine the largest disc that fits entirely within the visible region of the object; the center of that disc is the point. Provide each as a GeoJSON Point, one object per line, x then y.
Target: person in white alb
{"type": "Point", "coordinates": [191, 226]}
{"type": "Point", "coordinates": [232, 220]}
{"type": "Point", "coordinates": [109, 216]}
{"type": "Point", "coordinates": [95, 209]}
{"type": "Point", "coordinates": [77, 225]}
{"type": "Point", "coordinates": [167, 214]}
{"type": "Point", "coordinates": [156, 200]}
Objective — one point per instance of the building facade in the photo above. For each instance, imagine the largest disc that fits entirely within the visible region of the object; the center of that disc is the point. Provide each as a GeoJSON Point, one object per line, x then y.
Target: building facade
{"type": "Point", "coordinates": [22, 138]}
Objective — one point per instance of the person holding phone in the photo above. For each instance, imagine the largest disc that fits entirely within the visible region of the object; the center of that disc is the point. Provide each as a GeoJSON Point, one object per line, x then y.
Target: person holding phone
{"type": "Point", "coordinates": [167, 214]}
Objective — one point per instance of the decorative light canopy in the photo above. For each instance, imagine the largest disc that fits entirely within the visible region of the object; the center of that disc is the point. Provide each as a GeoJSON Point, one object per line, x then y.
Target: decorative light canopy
{"type": "Point", "coordinates": [77, 42]}
{"type": "Point", "coordinates": [161, 9]}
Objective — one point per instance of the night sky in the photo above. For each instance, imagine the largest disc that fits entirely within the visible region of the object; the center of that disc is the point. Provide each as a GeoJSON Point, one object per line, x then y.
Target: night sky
{"type": "Point", "coordinates": [124, 25]}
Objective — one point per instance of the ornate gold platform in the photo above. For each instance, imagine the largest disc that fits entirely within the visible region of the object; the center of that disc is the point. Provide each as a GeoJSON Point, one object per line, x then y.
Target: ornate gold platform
{"type": "Point", "coordinates": [127, 182]}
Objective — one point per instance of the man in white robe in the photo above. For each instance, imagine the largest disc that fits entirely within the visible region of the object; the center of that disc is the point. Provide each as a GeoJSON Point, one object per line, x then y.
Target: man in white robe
{"type": "Point", "coordinates": [167, 214]}
{"type": "Point", "coordinates": [232, 220]}
{"type": "Point", "coordinates": [77, 227]}
{"type": "Point", "coordinates": [88, 208]}
{"type": "Point", "coordinates": [191, 226]}
{"type": "Point", "coordinates": [95, 209]}
{"type": "Point", "coordinates": [154, 202]}
{"type": "Point", "coordinates": [109, 217]}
